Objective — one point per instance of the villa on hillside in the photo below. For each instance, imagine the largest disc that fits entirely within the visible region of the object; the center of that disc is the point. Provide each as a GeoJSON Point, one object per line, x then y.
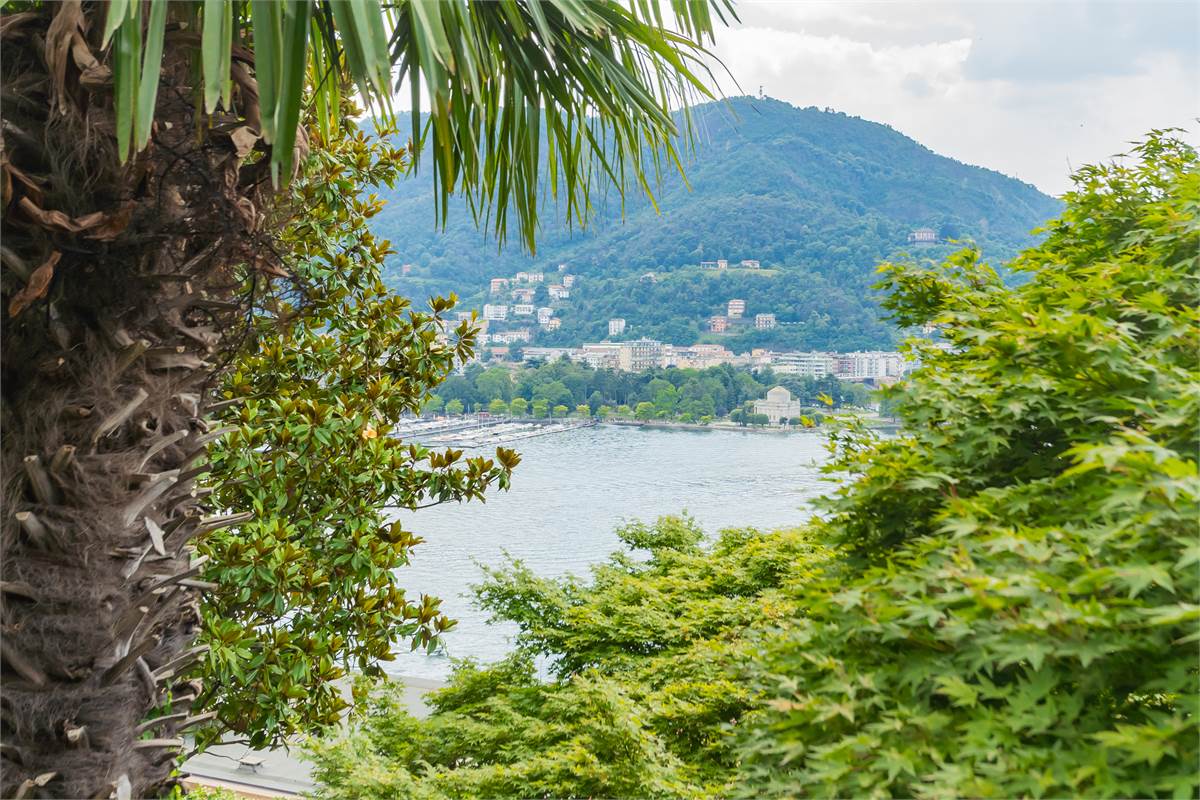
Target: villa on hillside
{"type": "Point", "coordinates": [778, 405]}
{"type": "Point", "coordinates": [923, 236]}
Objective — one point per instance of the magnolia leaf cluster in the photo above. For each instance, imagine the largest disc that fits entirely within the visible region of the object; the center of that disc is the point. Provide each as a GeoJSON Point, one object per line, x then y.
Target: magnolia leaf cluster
{"type": "Point", "coordinates": [307, 589]}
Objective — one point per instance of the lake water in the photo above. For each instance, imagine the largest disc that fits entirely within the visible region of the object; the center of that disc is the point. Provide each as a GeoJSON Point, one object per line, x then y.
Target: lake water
{"type": "Point", "coordinates": [570, 493]}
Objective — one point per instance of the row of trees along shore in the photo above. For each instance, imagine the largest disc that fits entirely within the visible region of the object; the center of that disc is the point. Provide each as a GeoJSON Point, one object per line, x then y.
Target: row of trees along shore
{"type": "Point", "coordinates": [686, 395]}
{"type": "Point", "coordinates": [198, 353]}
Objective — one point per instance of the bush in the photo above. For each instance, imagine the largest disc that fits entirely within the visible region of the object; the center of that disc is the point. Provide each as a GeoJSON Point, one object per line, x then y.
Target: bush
{"type": "Point", "coordinates": [644, 661]}
{"type": "Point", "coordinates": [1016, 609]}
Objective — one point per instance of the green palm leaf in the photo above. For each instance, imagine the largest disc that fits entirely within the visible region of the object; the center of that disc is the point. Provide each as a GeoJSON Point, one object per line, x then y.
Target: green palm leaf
{"type": "Point", "coordinates": [583, 90]}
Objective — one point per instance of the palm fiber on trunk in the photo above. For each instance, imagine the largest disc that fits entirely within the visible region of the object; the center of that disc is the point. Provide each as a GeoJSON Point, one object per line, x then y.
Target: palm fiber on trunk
{"type": "Point", "coordinates": [119, 308]}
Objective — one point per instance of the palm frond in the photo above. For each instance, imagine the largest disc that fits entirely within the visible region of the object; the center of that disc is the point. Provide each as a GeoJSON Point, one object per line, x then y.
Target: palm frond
{"type": "Point", "coordinates": [583, 90]}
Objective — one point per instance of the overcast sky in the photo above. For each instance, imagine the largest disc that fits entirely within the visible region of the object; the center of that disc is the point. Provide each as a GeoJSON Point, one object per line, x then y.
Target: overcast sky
{"type": "Point", "coordinates": [1026, 88]}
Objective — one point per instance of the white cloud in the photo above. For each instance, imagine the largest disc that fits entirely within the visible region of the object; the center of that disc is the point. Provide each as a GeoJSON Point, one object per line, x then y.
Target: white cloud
{"type": "Point", "coordinates": [1027, 88]}
{"type": "Point", "coordinates": [1053, 102]}
{"type": "Point", "coordinates": [835, 66]}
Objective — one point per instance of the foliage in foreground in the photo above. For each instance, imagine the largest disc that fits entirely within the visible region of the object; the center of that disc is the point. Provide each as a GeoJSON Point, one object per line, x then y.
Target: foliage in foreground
{"type": "Point", "coordinates": [124, 279]}
{"type": "Point", "coordinates": [640, 694]}
{"type": "Point", "coordinates": [1010, 608]}
{"type": "Point", "coordinates": [307, 588]}
{"type": "Point", "coordinates": [1017, 610]}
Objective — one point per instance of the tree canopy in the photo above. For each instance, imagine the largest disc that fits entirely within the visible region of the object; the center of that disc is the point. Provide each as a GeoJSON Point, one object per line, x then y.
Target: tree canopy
{"type": "Point", "coordinates": [309, 586]}
{"type": "Point", "coordinates": [1004, 600]}
{"type": "Point", "coordinates": [715, 391]}
{"type": "Point", "coordinates": [1017, 610]}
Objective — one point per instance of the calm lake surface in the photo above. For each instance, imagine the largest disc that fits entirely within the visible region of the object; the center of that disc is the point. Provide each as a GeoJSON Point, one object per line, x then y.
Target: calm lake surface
{"type": "Point", "coordinates": [570, 493]}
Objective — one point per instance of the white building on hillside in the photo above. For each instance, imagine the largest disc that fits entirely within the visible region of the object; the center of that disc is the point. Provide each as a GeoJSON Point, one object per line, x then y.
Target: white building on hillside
{"type": "Point", "coordinates": [736, 309]}
{"type": "Point", "coordinates": [923, 236]}
{"type": "Point", "coordinates": [508, 337]}
{"type": "Point", "coordinates": [497, 312]}
{"type": "Point", "coordinates": [640, 355]}
{"type": "Point", "coordinates": [871, 365]}
{"type": "Point", "coordinates": [601, 355]}
{"type": "Point", "coordinates": [616, 327]}
{"type": "Point", "coordinates": [764, 321]}
{"type": "Point", "coordinates": [811, 365]}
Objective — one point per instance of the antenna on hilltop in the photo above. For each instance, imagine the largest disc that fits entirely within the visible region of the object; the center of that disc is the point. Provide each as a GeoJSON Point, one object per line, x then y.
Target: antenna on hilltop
{"type": "Point", "coordinates": [760, 92]}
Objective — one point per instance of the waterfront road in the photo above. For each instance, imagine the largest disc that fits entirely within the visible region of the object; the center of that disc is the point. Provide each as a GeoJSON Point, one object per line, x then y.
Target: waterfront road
{"type": "Point", "coordinates": [259, 774]}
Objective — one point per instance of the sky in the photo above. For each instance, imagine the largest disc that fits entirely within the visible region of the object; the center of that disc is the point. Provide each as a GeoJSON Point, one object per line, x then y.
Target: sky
{"type": "Point", "coordinates": [1032, 89]}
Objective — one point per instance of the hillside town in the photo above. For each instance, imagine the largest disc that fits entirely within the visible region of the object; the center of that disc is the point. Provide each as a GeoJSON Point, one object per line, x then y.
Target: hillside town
{"type": "Point", "coordinates": [527, 303]}
{"type": "Point", "coordinates": [522, 304]}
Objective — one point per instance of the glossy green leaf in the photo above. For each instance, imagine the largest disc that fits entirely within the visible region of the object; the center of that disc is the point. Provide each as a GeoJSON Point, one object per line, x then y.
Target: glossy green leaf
{"type": "Point", "coordinates": [151, 65]}
{"type": "Point", "coordinates": [214, 51]}
{"type": "Point", "coordinates": [125, 87]}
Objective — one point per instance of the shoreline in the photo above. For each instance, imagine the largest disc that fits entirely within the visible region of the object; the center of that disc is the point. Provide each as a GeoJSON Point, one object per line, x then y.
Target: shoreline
{"type": "Point", "coordinates": [730, 427]}
{"type": "Point", "coordinates": [872, 422]}
{"type": "Point", "coordinates": [545, 426]}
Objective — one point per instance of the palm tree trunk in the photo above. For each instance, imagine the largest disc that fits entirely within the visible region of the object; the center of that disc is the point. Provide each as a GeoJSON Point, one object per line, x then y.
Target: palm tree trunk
{"type": "Point", "coordinates": [118, 308]}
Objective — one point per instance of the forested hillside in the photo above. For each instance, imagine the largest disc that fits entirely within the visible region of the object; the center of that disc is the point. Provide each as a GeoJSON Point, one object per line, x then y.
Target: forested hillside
{"type": "Point", "coordinates": [818, 195]}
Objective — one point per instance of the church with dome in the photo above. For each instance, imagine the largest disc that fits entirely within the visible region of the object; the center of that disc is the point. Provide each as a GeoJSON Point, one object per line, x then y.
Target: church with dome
{"type": "Point", "coordinates": [778, 405]}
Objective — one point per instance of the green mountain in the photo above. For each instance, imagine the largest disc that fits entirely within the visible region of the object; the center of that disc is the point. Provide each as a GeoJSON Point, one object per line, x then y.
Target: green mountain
{"type": "Point", "coordinates": [816, 196]}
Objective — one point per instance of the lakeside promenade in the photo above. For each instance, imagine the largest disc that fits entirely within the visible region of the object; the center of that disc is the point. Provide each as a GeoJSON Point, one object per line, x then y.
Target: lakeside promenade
{"type": "Point", "coordinates": [261, 774]}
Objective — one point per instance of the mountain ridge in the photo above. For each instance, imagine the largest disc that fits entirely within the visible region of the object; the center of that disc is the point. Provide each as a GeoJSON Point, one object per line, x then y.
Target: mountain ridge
{"type": "Point", "coordinates": [818, 194]}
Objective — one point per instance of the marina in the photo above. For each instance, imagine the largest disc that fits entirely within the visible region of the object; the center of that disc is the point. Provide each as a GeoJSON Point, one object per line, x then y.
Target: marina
{"type": "Point", "coordinates": [473, 432]}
